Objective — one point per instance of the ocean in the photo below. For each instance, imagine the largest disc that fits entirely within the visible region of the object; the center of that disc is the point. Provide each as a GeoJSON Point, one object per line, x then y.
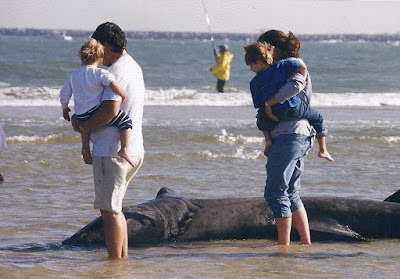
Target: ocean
{"type": "Point", "coordinates": [201, 144]}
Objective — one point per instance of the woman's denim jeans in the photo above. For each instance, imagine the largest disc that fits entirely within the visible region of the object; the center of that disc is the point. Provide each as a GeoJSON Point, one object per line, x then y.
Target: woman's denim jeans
{"type": "Point", "coordinates": [284, 168]}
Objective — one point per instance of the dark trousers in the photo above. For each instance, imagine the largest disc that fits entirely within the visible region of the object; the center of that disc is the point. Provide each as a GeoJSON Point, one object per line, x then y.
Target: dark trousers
{"type": "Point", "coordinates": [220, 85]}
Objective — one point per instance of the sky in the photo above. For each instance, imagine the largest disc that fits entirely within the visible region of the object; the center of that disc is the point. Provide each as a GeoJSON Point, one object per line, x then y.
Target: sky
{"type": "Point", "coordinates": [232, 16]}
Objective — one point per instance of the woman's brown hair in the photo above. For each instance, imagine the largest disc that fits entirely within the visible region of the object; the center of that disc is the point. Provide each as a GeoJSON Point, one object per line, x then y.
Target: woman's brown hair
{"type": "Point", "coordinates": [288, 45]}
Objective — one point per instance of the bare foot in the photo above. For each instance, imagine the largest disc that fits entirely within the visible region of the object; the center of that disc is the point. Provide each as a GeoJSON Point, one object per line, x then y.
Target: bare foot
{"type": "Point", "coordinates": [124, 154]}
{"type": "Point", "coordinates": [325, 154]}
{"type": "Point", "coordinates": [268, 145]}
{"type": "Point", "coordinates": [87, 157]}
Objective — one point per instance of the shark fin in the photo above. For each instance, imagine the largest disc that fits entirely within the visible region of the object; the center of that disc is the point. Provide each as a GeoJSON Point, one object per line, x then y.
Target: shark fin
{"type": "Point", "coordinates": [394, 198]}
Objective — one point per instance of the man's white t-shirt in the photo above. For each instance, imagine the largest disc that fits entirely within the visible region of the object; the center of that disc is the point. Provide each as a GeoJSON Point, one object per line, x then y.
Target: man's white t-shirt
{"type": "Point", "coordinates": [106, 140]}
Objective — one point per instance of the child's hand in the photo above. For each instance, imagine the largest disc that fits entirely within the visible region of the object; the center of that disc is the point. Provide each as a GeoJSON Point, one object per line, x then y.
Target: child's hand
{"type": "Point", "coordinates": [66, 114]}
{"type": "Point", "coordinates": [268, 111]}
{"type": "Point", "coordinates": [75, 124]}
{"type": "Point", "coordinates": [118, 89]}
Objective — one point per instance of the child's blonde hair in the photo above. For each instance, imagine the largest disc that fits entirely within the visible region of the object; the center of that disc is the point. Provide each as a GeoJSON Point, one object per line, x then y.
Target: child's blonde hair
{"type": "Point", "coordinates": [91, 51]}
{"type": "Point", "coordinates": [259, 51]}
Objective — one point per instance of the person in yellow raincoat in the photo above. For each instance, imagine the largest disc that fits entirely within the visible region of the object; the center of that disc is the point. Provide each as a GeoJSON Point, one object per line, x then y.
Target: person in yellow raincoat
{"type": "Point", "coordinates": [222, 67]}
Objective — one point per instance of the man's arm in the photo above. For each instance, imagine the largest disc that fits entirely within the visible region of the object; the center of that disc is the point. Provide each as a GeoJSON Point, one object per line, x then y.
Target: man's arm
{"type": "Point", "coordinates": [216, 53]}
{"type": "Point", "coordinates": [105, 113]}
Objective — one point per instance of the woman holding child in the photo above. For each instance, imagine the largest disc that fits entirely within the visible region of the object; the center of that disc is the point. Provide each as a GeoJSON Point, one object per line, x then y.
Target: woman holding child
{"type": "Point", "coordinates": [291, 141]}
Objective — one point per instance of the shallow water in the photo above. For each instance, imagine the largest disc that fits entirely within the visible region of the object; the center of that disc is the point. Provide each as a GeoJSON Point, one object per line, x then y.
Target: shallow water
{"type": "Point", "coordinates": [217, 259]}
{"type": "Point", "coordinates": [200, 152]}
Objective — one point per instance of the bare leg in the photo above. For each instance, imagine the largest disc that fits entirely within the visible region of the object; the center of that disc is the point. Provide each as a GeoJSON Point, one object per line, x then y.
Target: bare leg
{"type": "Point", "coordinates": [323, 151]}
{"type": "Point", "coordinates": [87, 156]}
{"type": "Point", "coordinates": [124, 254]}
{"type": "Point", "coordinates": [116, 234]}
{"type": "Point", "coordinates": [283, 225]}
{"type": "Point", "coordinates": [300, 221]}
{"type": "Point", "coordinates": [123, 153]}
{"type": "Point", "coordinates": [268, 143]}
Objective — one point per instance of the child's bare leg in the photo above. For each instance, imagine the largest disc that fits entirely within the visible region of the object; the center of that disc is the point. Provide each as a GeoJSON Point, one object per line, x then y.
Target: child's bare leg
{"type": "Point", "coordinates": [268, 142]}
{"type": "Point", "coordinates": [87, 156]}
{"type": "Point", "coordinates": [323, 151]}
{"type": "Point", "coordinates": [123, 153]}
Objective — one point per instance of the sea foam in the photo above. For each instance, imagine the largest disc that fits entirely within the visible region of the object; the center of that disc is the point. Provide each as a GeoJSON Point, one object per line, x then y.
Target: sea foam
{"type": "Point", "coordinates": [46, 96]}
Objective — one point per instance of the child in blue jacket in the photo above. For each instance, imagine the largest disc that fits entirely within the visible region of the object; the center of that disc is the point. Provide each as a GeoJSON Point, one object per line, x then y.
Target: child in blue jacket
{"type": "Point", "coordinates": [270, 77]}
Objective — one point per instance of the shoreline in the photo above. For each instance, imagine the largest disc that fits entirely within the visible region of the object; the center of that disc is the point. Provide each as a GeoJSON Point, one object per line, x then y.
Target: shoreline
{"type": "Point", "coordinates": [171, 35]}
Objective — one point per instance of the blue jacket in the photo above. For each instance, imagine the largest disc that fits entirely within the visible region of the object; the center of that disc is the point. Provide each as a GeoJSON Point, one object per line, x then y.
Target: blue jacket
{"type": "Point", "coordinates": [268, 82]}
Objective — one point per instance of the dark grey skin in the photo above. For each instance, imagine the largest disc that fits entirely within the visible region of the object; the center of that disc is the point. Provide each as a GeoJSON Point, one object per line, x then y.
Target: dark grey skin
{"type": "Point", "coordinates": [171, 217]}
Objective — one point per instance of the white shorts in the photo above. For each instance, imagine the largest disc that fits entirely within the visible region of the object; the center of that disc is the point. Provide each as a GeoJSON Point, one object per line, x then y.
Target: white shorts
{"type": "Point", "coordinates": [111, 179]}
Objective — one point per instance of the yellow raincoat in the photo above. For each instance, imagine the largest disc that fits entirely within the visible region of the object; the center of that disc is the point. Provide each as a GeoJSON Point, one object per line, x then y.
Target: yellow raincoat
{"type": "Point", "coordinates": [221, 69]}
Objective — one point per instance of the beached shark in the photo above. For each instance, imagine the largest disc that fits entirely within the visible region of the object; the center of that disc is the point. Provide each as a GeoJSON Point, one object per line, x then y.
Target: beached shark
{"type": "Point", "coordinates": [171, 217]}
